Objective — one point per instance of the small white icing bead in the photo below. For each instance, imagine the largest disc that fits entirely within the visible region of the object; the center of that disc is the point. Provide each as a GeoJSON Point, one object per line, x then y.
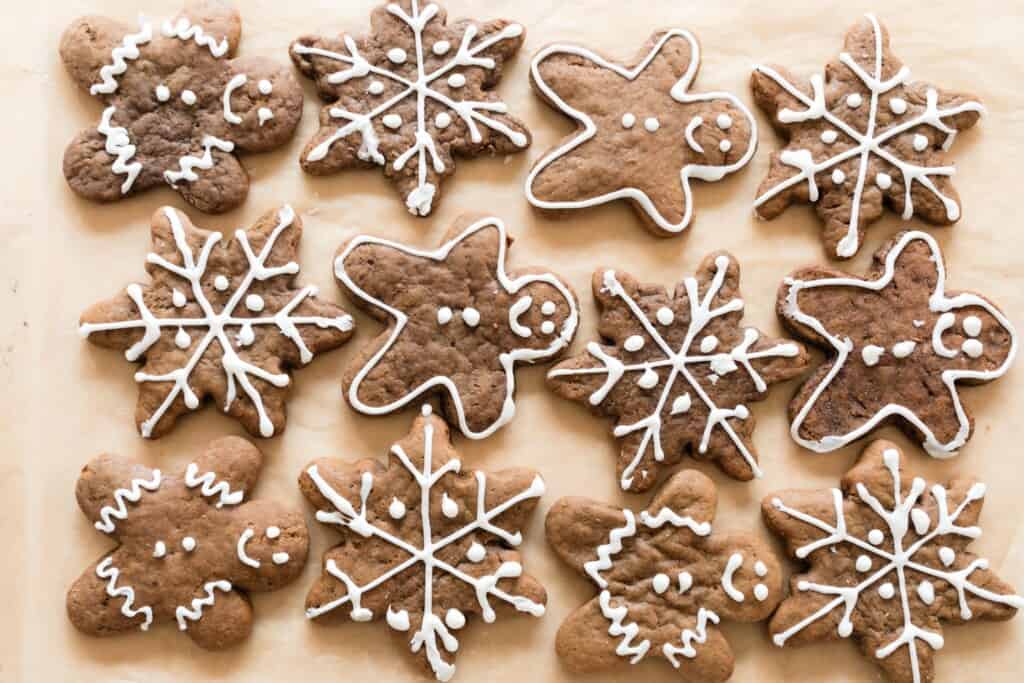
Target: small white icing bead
{"type": "Point", "coordinates": [920, 142]}
{"type": "Point", "coordinates": [725, 145]}
{"type": "Point", "coordinates": [660, 583]}
{"type": "Point", "coordinates": [628, 120]}
{"type": "Point", "coordinates": [547, 327]}
{"type": "Point", "coordinates": [441, 47]}
{"type": "Point", "coordinates": [972, 325]}
{"type": "Point", "coordinates": [265, 87]}
{"type": "Point", "coordinates": [875, 537]}
{"type": "Point", "coordinates": [442, 120]}
{"type": "Point", "coordinates": [188, 543]}
{"type": "Point", "coordinates": [863, 563]}
{"type": "Point", "coordinates": [375, 88]}
{"type": "Point", "coordinates": [188, 97]}
{"type": "Point", "coordinates": [854, 100]}
{"type": "Point", "coordinates": [652, 124]}
{"type": "Point", "coordinates": [471, 317]}
{"type": "Point", "coordinates": [829, 136]}
{"type": "Point", "coordinates": [220, 283]}
{"type": "Point", "coordinates": [724, 121]}
{"type": "Point", "coordinates": [456, 80]}
{"type": "Point", "coordinates": [548, 308]}
{"type": "Point", "coordinates": [273, 532]}
{"type": "Point", "coordinates": [838, 177]}
{"type": "Point", "coordinates": [444, 315]}
{"type": "Point", "coordinates": [397, 55]}
{"type": "Point", "coordinates": [633, 343]}
{"type": "Point", "coordinates": [898, 105]}
{"type": "Point", "coordinates": [163, 93]}
{"type": "Point", "coordinates": [973, 348]}
{"type": "Point", "coordinates": [665, 315]}
{"type": "Point", "coordinates": [392, 121]}
{"type": "Point", "coordinates": [883, 180]}
{"type": "Point", "coordinates": [255, 303]}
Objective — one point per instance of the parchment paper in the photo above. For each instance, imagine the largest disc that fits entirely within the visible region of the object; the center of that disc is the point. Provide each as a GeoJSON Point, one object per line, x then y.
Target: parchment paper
{"type": "Point", "coordinates": [66, 401]}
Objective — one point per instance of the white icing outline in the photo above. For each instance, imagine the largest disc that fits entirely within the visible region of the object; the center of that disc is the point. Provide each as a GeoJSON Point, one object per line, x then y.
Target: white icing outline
{"type": "Point", "coordinates": [235, 368]}
{"type": "Point", "coordinates": [507, 359]}
{"type": "Point", "coordinates": [107, 570]}
{"type": "Point", "coordinates": [938, 302]}
{"type": "Point", "coordinates": [132, 494]}
{"type": "Point", "coordinates": [868, 143]}
{"type": "Point", "coordinates": [184, 614]}
{"type": "Point", "coordinates": [210, 487]}
{"type": "Point", "coordinates": [679, 93]}
{"type": "Point", "coordinates": [128, 49]}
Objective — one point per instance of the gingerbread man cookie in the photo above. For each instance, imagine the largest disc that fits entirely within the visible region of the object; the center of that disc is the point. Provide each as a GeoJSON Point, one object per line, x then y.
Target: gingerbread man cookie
{"type": "Point", "coordinates": [678, 371]}
{"type": "Point", "coordinates": [861, 138]}
{"type": "Point", "coordinates": [178, 105]}
{"type": "Point", "coordinates": [427, 545]}
{"type": "Point", "coordinates": [887, 563]}
{"type": "Point", "coordinates": [411, 96]}
{"type": "Point", "coordinates": [900, 347]}
{"type": "Point", "coordinates": [189, 547]}
{"type": "Point", "coordinates": [641, 135]}
{"type": "Point", "coordinates": [458, 323]}
{"type": "Point", "coordinates": [665, 580]}
{"type": "Point", "coordinates": [221, 319]}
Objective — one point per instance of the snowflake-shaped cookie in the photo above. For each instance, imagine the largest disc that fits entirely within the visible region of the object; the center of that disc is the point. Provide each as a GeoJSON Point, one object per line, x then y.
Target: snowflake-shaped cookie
{"type": "Point", "coordinates": [426, 545]}
{"type": "Point", "coordinates": [862, 137]}
{"type": "Point", "coordinates": [458, 323]}
{"type": "Point", "coordinates": [888, 563]}
{"type": "Point", "coordinates": [187, 546]}
{"type": "Point", "coordinates": [220, 319]}
{"type": "Point", "coordinates": [666, 581]}
{"type": "Point", "coordinates": [642, 136]}
{"type": "Point", "coordinates": [177, 106]}
{"type": "Point", "coordinates": [678, 372]}
{"type": "Point", "coordinates": [900, 347]}
{"type": "Point", "coordinates": [411, 96]}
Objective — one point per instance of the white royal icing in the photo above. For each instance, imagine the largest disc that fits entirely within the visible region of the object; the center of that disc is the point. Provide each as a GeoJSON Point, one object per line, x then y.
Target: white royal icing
{"type": "Point", "coordinates": [128, 49]}
{"type": "Point", "coordinates": [107, 570]}
{"type": "Point", "coordinates": [132, 494]}
{"type": "Point", "coordinates": [678, 93]}
{"type": "Point", "coordinates": [159, 549]}
{"type": "Point", "coordinates": [185, 30]}
{"type": "Point", "coordinates": [234, 84]}
{"type": "Point", "coordinates": [243, 557]}
{"type": "Point", "coordinates": [119, 145]}
{"type": "Point", "coordinates": [184, 614]}
{"type": "Point", "coordinates": [188, 164]}
{"type": "Point", "coordinates": [210, 487]}
{"type": "Point", "coordinates": [507, 359]}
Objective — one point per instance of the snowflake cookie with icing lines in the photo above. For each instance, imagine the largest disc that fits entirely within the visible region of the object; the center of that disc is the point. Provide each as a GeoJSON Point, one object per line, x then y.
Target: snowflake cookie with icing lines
{"type": "Point", "coordinates": [859, 138]}
{"type": "Point", "coordinates": [458, 323]}
{"type": "Point", "coordinates": [641, 135]}
{"type": "Point", "coordinates": [677, 371]}
{"type": "Point", "coordinates": [189, 547]}
{"type": "Point", "coordinates": [221, 318]}
{"type": "Point", "coordinates": [899, 348]}
{"type": "Point", "coordinates": [411, 96]}
{"type": "Point", "coordinates": [177, 106]}
{"type": "Point", "coordinates": [426, 544]}
{"type": "Point", "coordinates": [666, 581]}
{"type": "Point", "coordinates": [887, 563]}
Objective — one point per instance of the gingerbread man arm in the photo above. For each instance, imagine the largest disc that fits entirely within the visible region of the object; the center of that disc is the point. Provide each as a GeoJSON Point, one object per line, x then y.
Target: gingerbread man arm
{"type": "Point", "coordinates": [103, 602]}
{"type": "Point", "coordinates": [217, 617]}
{"type": "Point", "coordinates": [218, 19]}
{"type": "Point", "coordinates": [221, 188]}
{"type": "Point", "coordinates": [108, 485]}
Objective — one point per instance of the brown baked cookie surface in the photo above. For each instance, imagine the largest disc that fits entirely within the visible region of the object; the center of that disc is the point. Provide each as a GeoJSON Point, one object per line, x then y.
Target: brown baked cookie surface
{"type": "Point", "coordinates": [177, 106]}
{"type": "Point", "coordinates": [887, 563]}
{"type": "Point", "coordinates": [676, 371]}
{"type": "Point", "coordinates": [861, 138]}
{"type": "Point", "coordinates": [426, 544]}
{"type": "Point", "coordinates": [221, 319]}
{"type": "Point", "coordinates": [666, 581]}
{"type": "Point", "coordinates": [458, 322]}
{"type": "Point", "coordinates": [899, 347]}
{"type": "Point", "coordinates": [640, 134]}
{"type": "Point", "coordinates": [189, 547]}
{"type": "Point", "coordinates": [410, 96]}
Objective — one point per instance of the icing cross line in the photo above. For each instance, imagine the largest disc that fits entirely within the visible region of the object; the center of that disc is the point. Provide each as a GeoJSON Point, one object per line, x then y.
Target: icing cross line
{"type": "Point", "coordinates": [237, 370]}
{"type": "Point", "coordinates": [868, 142]}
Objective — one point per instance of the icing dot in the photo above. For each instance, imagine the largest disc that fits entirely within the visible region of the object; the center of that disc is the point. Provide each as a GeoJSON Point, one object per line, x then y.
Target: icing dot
{"type": "Point", "coordinates": [476, 553]}
{"type": "Point", "coordinates": [660, 583]}
{"type": "Point", "coordinates": [947, 555]}
{"type": "Point", "coordinates": [871, 354]}
{"type": "Point", "coordinates": [265, 86]}
{"type": "Point", "coordinates": [392, 121]}
{"type": "Point", "coordinates": [829, 136]}
{"type": "Point", "coordinates": [547, 327]}
{"type": "Point", "coordinates": [898, 105]}
{"type": "Point", "coordinates": [973, 348]}
{"type": "Point", "coordinates": [454, 619]}
{"type": "Point", "coordinates": [441, 47]}
{"type": "Point", "coordinates": [471, 317]}
{"type": "Point", "coordinates": [628, 120]}
{"type": "Point", "coordinates": [375, 88]}
{"type": "Point", "coordinates": [665, 315]}
{"type": "Point", "coordinates": [920, 142]}
{"type": "Point", "coordinates": [634, 343]}
{"type": "Point", "coordinates": [652, 124]}
{"type": "Point", "coordinates": [854, 100]}
{"type": "Point", "coordinates": [182, 340]}
{"type": "Point", "coordinates": [280, 558]}
{"type": "Point", "coordinates": [883, 180]}
{"type": "Point", "coordinates": [396, 509]}
{"type": "Point", "coordinates": [188, 97]}
{"type": "Point", "coordinates": [443, 120]}
{"type": "Point", "coordinates": [725, 145]}
{"type": "Point", "coordinates": [548, 308]}
{"type": "Point", "coordinates": [838, 177]}
{"type": "Point", "coordinates": [760, 569]}
{"type": "Point", "coordinates": [926, 591]}
{"type": "Point", "coordinates": [178, 299]}
{"type": "Point", "coordinates": [163, 93]}
{"type": "Point", "coordinates": [160, 549]}
{"type": "Point", "coordinates": [397, 55]}
{"type": "Point", "coordinates": [254, 302]}
{"type": "Point", "coordinates": [681, 404]}
{"type": "Point", "coordinates": [648, 380]}
{"type": "Point", "coordinates": [921, 521]}
{"type": "Point", "coordinates": [886, 590]}
{"type": "Point", "coordinates": [188, 543]}
{"type": "Point", "coordinates": [273, 532]}
{"type": "Point", "coordinates": [972, 326]}
{"type": "Point", "coordinates": [456, 80]}
{"type": "Point", "coordinates": [863, 563]}
{"type": "Point", "coordinates": [708, 344]}
{"type": "Point", "coordinates": [761, 592]}
{"type": "Point", "coordinates": [685, 581]}
{"type": "Point", "coordinates": [724, 121]}
{"type": "Point", "coordinates": [875, 537]}
{"type": "Point", "coordinates": [444, 315]}
{"type": "Point", "coordinates": [903, 349]}
{"type": "Point", "coordinates": [246, 336]}
{"type": "Point", "coordinates": [220, 283]}
{"type": "Point", "coordinates": [449, 508]}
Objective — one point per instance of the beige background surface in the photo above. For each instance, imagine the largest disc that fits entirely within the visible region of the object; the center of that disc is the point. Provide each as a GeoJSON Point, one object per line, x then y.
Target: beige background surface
{"type": "Point", "coordinates": [65, 401]}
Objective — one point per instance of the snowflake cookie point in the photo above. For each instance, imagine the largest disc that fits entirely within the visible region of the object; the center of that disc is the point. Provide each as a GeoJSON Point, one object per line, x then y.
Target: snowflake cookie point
{"type": "Point", "coordinates": [909, 571]}
{"type": "Point", "coordinates": [352, 497]}
{"type": "Point", "coordinates": [255, 343]}
{"type": "Point", "coordinates": [878, 142]}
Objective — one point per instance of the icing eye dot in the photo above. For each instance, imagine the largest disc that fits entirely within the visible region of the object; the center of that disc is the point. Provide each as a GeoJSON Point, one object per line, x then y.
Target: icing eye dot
{"type": "Point", "coordinates": [863, 563]}
{"type": "Point", "coordinates": [628, 120]}
{"type": "Point", "coordinates": [973, 348]}
{"type": "Point", "coordinates": [652, 124]}
{"type": "Point", "coordinates": [875, 537]}
{"type": "Point", "coordinates": [392, 121]}
{"type": "Point", "coordinates": [444, 315]}
{"type": "Point", "coordinates": [454, 619]}
{"type": "Point", "coordinates": [273, 532]}
{"type": "Point", "coordinates": [471, 317]}
{"type": "Point", "coordinates": [829, 136]}
{"type": "Point", "coordinates": [898, 105]}
{"type": "Point", "coordinates": [178, 299]}
{"type": "Point", "coordinates": [633, 343]}
{"type": "Point", "coordinates": [375, 88]}
{"type": "Point", "coordinates": [725, 145]}
{"type": "Point", "coordinates": [708, 344]}
{"type": "Point", "coordinates": [441, 47]}
{"type": "Point", "coordinates": [920, 142]}
{"type": "Point", "coordinates": [665, 315]}
{"type": "Point", "coordinates": [838, 177]}
{"type": "Point", "coordinates": [883, 180]}
{"type": "Point", "coordinates": [476, 553]}
{"type": "Point", "coordinates": [220, 283]}
{"type": "Point", "coordinates": [456, 80]}
{"type": "Point", "coordinates": [547, 327]}
{"type": "Point", "coordinates": [396, 509]}
{"type": "Point", "coordinates": [660, 583]}
{"type": "Point", "coordinates": [265, 86]}
{"type": "Point", "coordinates": [972, 325]}
{"type": "Point", "coordinates": [163, 93]}
{"type": "Point", "coordinates": [254, 302]}
{"type": "Point", "coordinates": [886, 590]}
{"type": "Point", "coordinates": [854, 100]}
{"type": "Point", "coordinates": [280, 558]}
{"type": "Point", "coordinates": [188, 543]}
{"type": "Point", "coordinates": [761, 592]}
{"type": "Point", "coordinates": [548, 308]}
{"type": "Point", "coordinates": [397, 55]}
{"type": "Point", "coordinates": [188, 97]}
{"type": "Point", "coordinates": [160, 549]}
{"type": "Point", "coordinates": [443, 120]}
{"type": "Point", "coordinates": [182, 340]}
{"type": "Point", "coordinates": [760, 569]}
{"type": "Point", "coordinates": [723, 121]}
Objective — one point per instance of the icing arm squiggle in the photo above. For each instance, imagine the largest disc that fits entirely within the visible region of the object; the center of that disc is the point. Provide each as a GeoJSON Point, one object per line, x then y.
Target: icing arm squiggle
{"type": "Point", "coordinates": [119, 510]}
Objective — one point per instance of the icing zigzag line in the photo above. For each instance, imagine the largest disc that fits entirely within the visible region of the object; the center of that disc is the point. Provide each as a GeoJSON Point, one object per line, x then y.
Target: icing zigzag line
{"type": "Point", "coordinates": [128, 49]}
{"type": "Point", "coordinates": [105, 570]}
{"type": "Point", "coordinates": [184, 614]}
{"type": "Point", "coordinates": [119, 510]}
{"type": "Point", "coordinates": [188, 164]}
{"type": "Point", "coordinates": [186, 30]}
{"type": "Point", "coordinates": [212, 487]}
{"type": "Point", "coordinates": [612, 547]}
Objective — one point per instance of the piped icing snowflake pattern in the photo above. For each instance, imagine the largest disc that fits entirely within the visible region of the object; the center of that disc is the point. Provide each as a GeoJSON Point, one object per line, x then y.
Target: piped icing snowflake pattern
{"type": "Point", "coordinates": [888, 563]}
{"type": "Point", "coordinates": [665, 580]}
{"type": "Point", "coordinates": [861, 137]}
{"type": "Point", "coordinates": [718, 132]}
{"type": "Point", "coordinates": [411, 96]}
{"type": "Point", "coordinates": [221, 319]}
{"type": "Point", "coordinates": [679, 371]}
{"type": "Point", "coordinates": [458, 323]}
{"type": "Point", "coordinates": [187, 546]}
{"type": "Point", "coordinates": [426, 545]}
{"type": "Point", "coordinates": [181, 73]}
{"type": "Point", "coordinates": [900, 346]}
